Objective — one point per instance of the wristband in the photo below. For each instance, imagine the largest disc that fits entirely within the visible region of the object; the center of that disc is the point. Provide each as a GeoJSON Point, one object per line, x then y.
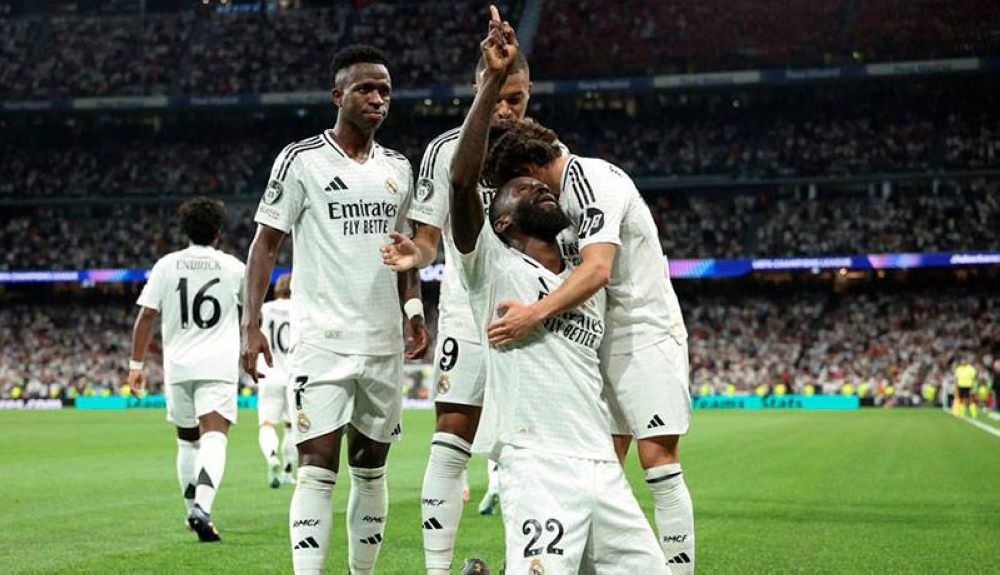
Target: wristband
{"type": "Point", "coordinates": [133, 364]}
{"type": "Point", "coordinates": [413, 307]}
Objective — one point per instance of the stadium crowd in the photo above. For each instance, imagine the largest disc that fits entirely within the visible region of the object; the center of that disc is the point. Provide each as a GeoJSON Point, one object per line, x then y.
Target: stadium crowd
{"type": "Point", "coordinates": [199, 52]}
{"type": "Point", "coordinates": [738, 343]}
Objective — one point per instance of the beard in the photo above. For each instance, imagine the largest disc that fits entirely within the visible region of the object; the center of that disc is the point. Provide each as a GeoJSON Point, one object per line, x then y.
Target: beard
{"type": "Point", "coordinates": [542, 224]}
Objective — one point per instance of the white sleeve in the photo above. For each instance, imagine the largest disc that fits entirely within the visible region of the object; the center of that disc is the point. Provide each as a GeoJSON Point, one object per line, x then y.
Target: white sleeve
{"type": "Point", "coordinates": [403, 224]}
{"type": "Point", "coordinates": [152, 292]}
{"type": "Point", "coordinates": [603, 200]}
{"type": "Point", "coordinates": [432, 195]}
{"type": "Point", "coordinates": [285, 195]}
{"type": "Point", "coordinates": [474, 267]}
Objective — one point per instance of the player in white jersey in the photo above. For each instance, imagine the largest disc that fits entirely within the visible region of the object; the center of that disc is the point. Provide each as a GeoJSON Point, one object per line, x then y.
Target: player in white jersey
{"type": "Point", "coordinates": [274, 391]}
{"type": "Point", "coordinates": [340, 195]}
{"type": "Point", "coordinates": [566, 503]}
{"type": "Point", "coordinates": [196, 293]}
{"type": "Point", "coordinates": [458, 360]}
{"type": "Point", "coordinates": [644, 359]}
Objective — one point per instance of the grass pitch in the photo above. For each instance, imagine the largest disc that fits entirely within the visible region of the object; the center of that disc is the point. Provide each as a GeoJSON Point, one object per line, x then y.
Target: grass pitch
{"type": "Point", "coordinates": [903, 491]}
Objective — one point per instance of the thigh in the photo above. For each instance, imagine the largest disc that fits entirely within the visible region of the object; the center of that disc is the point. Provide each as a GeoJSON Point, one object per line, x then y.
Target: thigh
{"type": "Point", "coordinates": [650, 388]}
{"type": "Point", "coordinates": [378, 405]}
{"type": "Point", "coordinates": [180, 404]}
{"type": "Point", "coordinates": [324, 385]}
{"type": "Point", "coordinates": [459, 371]}
{"type": "Point", "coordinates": [546, 505]}
{"type": "Point", "coordinates": [216, 396]}
{"type": "Point", "coordinates": [622, 540]}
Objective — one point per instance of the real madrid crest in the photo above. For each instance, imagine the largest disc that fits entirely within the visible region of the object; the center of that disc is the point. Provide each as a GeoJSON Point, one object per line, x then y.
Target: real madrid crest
{"type": "Point", "coordinates": [392, 186]}
{"type": "Point", "coordinates": [303, 423]}
{"type": "Point", "coordinates": [536, 567]}
{"type": "Point", "coordinates": [444, 384]}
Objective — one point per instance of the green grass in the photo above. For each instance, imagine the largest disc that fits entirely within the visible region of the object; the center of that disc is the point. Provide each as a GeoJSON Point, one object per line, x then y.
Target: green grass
{"type": "Point", "coordinates": [903, 491]}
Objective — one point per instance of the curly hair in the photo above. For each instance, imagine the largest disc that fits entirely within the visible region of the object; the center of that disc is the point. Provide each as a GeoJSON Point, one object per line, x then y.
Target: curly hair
{"type": "Point", "coordinates": [201, 219]}
{"type": "Point", "coordinates": [356, 54]}
{"type": "Point", "coordinates": [514, 145]}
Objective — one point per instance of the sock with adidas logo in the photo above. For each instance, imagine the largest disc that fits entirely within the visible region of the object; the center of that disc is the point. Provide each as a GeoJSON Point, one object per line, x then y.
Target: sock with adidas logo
{"type": "Point", "coordinates": [674, 515]}
{"type": "Point", "coordinates": [441, 499]}
{"type": "Point", "coordinates": [187, 453]}
{"type": "Point", "coordinates": [211, 464]}
{"type": "Point", "coordinates": [309, 519]}
{"type": "Point", "coordinates": [367, 510]}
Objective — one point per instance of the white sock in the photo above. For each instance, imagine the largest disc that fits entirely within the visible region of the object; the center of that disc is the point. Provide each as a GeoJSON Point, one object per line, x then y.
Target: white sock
{"type": "Point", "coordinates": [289, 451]}
{"type": "Point", "coordinates": [267, 439]}
{"type": "Point", "coordinates": [674, 516]}
{"type": "Point", "coordinates": [367, 511]}
{"type": "Point", "coordinates": [441, 499]}
{"type": "Point", "coordinates": [309, 519]}
{"type": "Point", "coordinates": [494, 477]}
{"type": "Point", "coordinates": [210, 466]}
{"type": "Point", "coordinates": [187, 452]}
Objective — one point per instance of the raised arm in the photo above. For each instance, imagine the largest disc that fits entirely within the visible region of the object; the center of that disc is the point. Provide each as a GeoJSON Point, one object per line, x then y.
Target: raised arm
{"type": "Point", "coordinates": [260, 263]}
{"type": "Point", "coordinates": [467, 217]}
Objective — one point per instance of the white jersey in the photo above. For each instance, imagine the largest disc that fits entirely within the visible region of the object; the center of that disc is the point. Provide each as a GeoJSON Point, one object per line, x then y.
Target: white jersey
{"type": "Point", "coordinates": [543, 393]}
{"type": "Point", "coordinates": [340, 213]}
{"type": "Point", "coordinates": [431, 205]}
{"type": "Point", "coordinates": [606, 207]}
{"type": "Point", "coordinates": [275, 322]}
{"type": "Point", "coordinates": [197, 292]}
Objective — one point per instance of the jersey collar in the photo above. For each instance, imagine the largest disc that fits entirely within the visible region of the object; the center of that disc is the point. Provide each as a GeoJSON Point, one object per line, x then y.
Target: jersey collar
{"type": "Point", "coordinates": [340, 151]}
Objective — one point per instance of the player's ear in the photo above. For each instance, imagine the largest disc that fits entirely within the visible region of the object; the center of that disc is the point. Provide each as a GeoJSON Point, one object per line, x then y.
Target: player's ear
{"type": "Point", "coordinates": [337, 95]}
{"type": "Point", "coordinates": [502, 224]}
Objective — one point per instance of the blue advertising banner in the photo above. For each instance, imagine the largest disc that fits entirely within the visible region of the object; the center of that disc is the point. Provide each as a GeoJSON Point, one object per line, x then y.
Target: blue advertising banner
{"type": "Point", "coordinates": [144, 402]}
{"type": "Point", "coordinates": [776, 402]}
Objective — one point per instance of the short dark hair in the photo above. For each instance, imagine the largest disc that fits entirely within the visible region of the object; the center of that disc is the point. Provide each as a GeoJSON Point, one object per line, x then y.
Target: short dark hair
{"type": "Point", "coordinates": [520, 65]}
{"type": "Point", "coordinates": [201, 219]}
{"type": "Point", "coordinates": [514, 145]}
{"type": "Point", "coordinates": [356, 54]}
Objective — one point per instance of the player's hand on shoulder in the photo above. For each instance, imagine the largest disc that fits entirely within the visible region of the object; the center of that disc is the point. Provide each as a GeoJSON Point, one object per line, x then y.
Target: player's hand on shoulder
{"type": "Point", "coordinates": [254, 343]}
{"type": "Point", "coordinates": [402, 254]}
{"type": "Point", "coordinates": [500, 46]}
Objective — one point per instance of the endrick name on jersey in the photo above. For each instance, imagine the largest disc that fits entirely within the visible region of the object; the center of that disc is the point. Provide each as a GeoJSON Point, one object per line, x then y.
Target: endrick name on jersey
{"type": "Point", "coordinates": [362, 217]}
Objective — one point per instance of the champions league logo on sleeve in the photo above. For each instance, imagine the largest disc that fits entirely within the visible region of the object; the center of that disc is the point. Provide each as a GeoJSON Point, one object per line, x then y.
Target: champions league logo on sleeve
{"type": "Point", "coordinates": [425, 189]}
{"type": "Point", "coordinates": [273, 192]}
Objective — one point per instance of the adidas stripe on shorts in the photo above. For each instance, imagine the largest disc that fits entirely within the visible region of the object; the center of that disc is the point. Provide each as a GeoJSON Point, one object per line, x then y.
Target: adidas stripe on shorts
{"type": "Point", "coordinates": [647, 389]}
{"type": "Point", "coordinates": [330, 390]}
{"type": "Point", "coordinates": [571, 515]}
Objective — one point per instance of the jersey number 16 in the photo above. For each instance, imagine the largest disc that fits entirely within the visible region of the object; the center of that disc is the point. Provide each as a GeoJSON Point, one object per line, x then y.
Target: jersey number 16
{"type": "Point", "coordinates": [200, 298]}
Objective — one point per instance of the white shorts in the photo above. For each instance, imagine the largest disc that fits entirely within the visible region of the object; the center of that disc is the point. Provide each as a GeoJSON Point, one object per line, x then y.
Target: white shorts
{"type": "Point", "coordinates": [272, 399]}
{"type": "Point", "coordinates": [647, 390]}
{"type": "Point", "coordinates": [189, 400]}
{"type": "Point", "coordinates": [459, 371]}
{"type": "Point", "coordinates": [564, 514]}
{"type": "Point", "coordinates": [330, 390]}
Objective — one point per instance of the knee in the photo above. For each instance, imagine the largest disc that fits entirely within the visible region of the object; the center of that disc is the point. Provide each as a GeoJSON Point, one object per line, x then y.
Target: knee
{"type": "Point", "coordinates": [660, 450]}
{"type": "Point", "coordinates": [367, 453]}
{"type": "Point", "coordinates": [316, 478]}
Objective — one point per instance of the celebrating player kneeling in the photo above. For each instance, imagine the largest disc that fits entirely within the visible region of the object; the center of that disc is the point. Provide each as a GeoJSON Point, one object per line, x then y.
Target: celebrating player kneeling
{"type": "Point", "coordinates": [566, 503]}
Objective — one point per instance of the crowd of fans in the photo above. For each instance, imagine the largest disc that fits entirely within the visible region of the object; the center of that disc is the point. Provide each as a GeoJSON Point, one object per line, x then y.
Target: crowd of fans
{"type": "Point", "coordinates": [863, 342]}
{"type": "Point", "coordinates": [869, 341]}
{"type": "Point", "coordinates": [590, 38]}
{"type": "Point", "coordinates": [199, 52]}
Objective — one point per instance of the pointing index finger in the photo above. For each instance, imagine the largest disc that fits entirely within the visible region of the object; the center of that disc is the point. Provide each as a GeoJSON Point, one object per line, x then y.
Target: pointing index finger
{"type": "Point", "coordinates": [494, 14]}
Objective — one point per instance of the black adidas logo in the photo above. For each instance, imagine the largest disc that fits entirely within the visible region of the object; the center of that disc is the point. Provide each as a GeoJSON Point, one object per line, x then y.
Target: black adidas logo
{"type": "Point", "coordinates": [396, 431]}
{"type": "Point", "coordinates": [335, 184]}
{"type": "Point", "coordinates": [679, 558]}
{"type": "Point", "coordinates": [433, 523]}
{"type": "Point", "coordinates": [655, 422]}
{"type": "Point", "coordinates": [373, 540]}
{"type": "Point", "coordinates": [307, 543]}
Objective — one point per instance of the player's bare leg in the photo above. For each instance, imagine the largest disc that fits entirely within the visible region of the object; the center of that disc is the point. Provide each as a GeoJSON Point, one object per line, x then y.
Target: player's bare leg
{"type": "Point", "coordinates": [187, 453]}
{"type": "Point", "coordinates": [441, 495]}
{"type": "Point", "coordinates": [622, 443]}
{"type": "Point", "coordinates": [673, 513]}
{"type": "Point", "coordinates": [368, 503]}
{"type": "Point", "coordinates": [210, 465]}
{"type": "Point", "coordinates": [267, 439]}
{"type": "Point", "coordinates": [311, 510]}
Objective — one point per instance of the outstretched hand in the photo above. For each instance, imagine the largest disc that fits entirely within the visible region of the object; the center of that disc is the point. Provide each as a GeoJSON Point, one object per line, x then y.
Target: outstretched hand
{"type": "Point", "coordinates": [402, 254]}
{"type": "Point", "coordinates": [500, 46]}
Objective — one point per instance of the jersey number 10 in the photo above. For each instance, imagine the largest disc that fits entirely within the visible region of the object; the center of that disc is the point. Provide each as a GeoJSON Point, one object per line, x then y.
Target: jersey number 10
{"type": "Point", "coordinates": [200, 298]}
